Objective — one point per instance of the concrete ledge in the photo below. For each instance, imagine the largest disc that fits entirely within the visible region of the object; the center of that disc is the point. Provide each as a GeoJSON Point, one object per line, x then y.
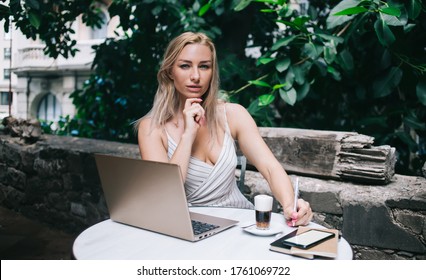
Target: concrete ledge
{"type": "Point", "coordinates": [55, 181]}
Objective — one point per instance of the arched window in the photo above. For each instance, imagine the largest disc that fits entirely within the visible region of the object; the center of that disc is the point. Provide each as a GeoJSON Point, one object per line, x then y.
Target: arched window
{"type": "Point", "coordinates": [49, 108]}
{"type": "Point", "coordinates": [101, 33]}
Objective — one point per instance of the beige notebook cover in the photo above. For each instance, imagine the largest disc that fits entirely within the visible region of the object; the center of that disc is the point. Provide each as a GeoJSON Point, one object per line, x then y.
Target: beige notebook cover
{"type": "Point", "coordinates": [327, 248]}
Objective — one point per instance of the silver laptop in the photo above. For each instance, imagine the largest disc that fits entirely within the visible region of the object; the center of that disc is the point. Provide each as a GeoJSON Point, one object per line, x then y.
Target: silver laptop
{"type": "Point", "coordinates": [151, 195]}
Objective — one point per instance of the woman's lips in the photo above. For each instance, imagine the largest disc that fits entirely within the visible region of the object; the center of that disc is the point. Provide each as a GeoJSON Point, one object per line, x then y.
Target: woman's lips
{"type": "Point", "coordinates": [194, 88]}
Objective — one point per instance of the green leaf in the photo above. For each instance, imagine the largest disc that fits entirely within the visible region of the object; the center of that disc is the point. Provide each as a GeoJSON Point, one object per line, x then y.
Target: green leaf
{"type": "Point", "coordinates": [311, 50]}
{"type": "Point", "coordinates": [303, 91]}
{"type": "Point", "coordinates": [266, 60]}
{"type": "Point", "coordinates": [289, 78]}
{"type": "Point", "coordinates": [414, 8]}
{"type": "Point", "coordinates": [285, 11]}
{"type": "Point", "coordinates": [321, 66]}
{"type": "Point", "coordinates": [267, 1]}
{"type": "Point", "coordinates": [15, 6]}
{"type": "Point", "coordinates": [267, 11]}
{"type": "Point", "coordinates": [253, 108]}
{"type": "Point", "coordinates": [283, 42]}
{"type": "Point", "coordinates": [346, 60]}
{"type": "Point", "coordinates": [283, 64]}
{"type": "Point", "coordinates": [204, 9]}
{"type": "Point", "coordinates": [351, 11]}
{"type": "Point", "coordinates": [242, 5]}
{"type": "Point", "coordinates": [300, 22]}
{"type": "Point", "coordinates": [334, 21]}
{"type": "Point", "coordinates": [157, 10]}
{"type": "Point", "coordinates": [409, 27]}
{"type": "Point", "coordinates": [385, 84]}
{"type": "Point", "coordinates": [331, 38]}
{"type": "Point", "coordinates": [386, 59]}
{"type": "Point", "coordinates": [289, 96]}
{"type": "Point", "coordinates": [266, 99]}
{"type": "Point", "coordinates": [278, 86]}
{"type": "Point", "coordinates": [383, 32]}
{"type": "Point", "coordinates": [330, 52]}
{"type": "Point", "coordinates": [34, 19]}
{"type": "Point", "coordinates": [392, 20]}
{"type": "Point", "coordinates": [300, 72]}
{"type": "Point", "coordinates": [334, 73]}
{"type": "Point", "coordinates": [391, 11]}
{"type": "Point", "coordinates": [421, 92]}
{"type": "Point", "coordinates": [4, 10]}
{"type": "Point", "coordinates": [413, 122]}
{"type": "Point", "coordinates": [259, 83]}
{"type": "Point", "coordinates": [289, 24]}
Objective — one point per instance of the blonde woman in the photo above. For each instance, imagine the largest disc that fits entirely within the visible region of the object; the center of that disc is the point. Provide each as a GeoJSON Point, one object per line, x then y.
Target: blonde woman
{"type": "Point", "coordinates": [190, 127]}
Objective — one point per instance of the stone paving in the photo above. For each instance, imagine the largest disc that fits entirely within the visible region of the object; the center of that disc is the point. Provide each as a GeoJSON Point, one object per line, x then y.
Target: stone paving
{"type": "Point", "coordinates": [25, 239]}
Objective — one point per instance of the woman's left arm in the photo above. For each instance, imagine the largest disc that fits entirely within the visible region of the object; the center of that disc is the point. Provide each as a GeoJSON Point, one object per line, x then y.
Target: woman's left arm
{"type": "Point", "coordinates": [245, 131]}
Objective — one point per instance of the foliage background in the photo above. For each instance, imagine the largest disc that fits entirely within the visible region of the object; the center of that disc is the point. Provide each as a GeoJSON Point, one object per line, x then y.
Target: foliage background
{"type": "Point", "coordinates": [360, 70]}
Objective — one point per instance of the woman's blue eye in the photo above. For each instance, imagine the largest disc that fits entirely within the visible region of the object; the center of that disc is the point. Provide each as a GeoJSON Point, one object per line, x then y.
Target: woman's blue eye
{"type": "Point", "coordinates": [186, 66]}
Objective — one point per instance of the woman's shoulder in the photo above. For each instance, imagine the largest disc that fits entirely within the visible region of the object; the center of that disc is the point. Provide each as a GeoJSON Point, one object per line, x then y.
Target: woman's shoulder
{"type": "Point", "coordinates": [234, 109]}
{"type": "Point", "coordinates": [145, 126]}
{"type": "Point", "coordinates": [238, 118]}
{"type": "Point", "coordinates": [144, 122]}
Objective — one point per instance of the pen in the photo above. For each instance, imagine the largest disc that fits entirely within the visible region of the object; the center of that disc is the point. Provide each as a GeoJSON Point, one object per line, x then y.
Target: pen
{"type": "Point", "coordinates": [296, 195]}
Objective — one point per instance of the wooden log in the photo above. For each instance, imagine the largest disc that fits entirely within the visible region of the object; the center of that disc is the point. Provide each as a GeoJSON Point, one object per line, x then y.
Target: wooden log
{"type": "Point", "coordinates": [346, 156]}
{"type": "Point", "coordinates": [28, 130]}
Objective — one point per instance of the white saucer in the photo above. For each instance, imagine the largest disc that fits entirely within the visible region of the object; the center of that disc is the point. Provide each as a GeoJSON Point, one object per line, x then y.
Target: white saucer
{"type": "Point", "coordinates": [274, 228]}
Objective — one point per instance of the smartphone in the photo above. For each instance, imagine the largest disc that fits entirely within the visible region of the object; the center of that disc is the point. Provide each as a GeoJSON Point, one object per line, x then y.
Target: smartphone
{"type": "Point", "coordinates": [308, 238]}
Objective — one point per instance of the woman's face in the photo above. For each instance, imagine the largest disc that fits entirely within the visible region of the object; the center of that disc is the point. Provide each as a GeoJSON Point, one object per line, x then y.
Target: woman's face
{"type": "Point", "coordinates": [192, 71]}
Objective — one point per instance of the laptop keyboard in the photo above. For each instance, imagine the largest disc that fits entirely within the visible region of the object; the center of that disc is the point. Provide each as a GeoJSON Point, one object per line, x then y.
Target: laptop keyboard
{"type": "Point", "coordinates": [200, 227]}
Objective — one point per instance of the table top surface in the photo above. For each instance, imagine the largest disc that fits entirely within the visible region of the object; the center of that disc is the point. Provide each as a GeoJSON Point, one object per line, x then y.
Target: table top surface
{"type": "Point", "coordinates": [112, 240]}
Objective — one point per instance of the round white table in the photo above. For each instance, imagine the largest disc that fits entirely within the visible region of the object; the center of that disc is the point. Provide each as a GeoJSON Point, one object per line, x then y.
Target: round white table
{"type": "Point", "coordinates": [112, 240]}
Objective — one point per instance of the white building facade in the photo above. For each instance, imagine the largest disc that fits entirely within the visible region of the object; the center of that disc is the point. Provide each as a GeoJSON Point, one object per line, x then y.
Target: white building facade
{"type": "Point", "coordinates": [40, 85]}
{"type": "Point", "coordinates": [7, 79]}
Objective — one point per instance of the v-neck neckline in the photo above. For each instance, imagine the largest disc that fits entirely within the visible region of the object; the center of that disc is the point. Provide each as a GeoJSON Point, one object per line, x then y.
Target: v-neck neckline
{"type": "Point", "coordinates": [170, 138]}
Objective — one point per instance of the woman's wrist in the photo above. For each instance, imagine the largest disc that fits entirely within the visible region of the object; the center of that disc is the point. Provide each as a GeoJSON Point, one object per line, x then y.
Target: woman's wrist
{"type": "Point", "coordinates": [188, 137]}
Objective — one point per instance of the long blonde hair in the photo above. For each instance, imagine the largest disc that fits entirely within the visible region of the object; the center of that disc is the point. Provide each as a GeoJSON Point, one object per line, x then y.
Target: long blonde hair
{"type": "Point", "coordinates": [166, 101]}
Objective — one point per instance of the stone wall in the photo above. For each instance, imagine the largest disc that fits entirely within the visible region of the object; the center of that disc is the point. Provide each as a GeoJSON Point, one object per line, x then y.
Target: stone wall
{"type": "Point", "coordinates": [380, 222]}
{"type": "Point", "coordinates": [55, 181]}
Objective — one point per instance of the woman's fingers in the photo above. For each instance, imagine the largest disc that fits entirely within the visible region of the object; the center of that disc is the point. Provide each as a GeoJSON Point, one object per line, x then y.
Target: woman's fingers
{"type": "Point", "coordinates": [191, 101]}
{"type": "Point", "coordinates": [303, 215]}
{"type": "Point", "coordinates": [193, 110]}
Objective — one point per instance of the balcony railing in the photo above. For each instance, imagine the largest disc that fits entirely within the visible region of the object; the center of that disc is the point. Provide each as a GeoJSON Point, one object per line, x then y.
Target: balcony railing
{"type": "Point", "coordinates": [33, 58]}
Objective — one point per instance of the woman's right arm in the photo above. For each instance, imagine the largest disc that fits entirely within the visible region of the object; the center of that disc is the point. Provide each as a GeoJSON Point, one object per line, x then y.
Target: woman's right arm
{"type": "Point", "coordinates": [153, 141]}
{"type": "Point", "coordinates": [152, 146]}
